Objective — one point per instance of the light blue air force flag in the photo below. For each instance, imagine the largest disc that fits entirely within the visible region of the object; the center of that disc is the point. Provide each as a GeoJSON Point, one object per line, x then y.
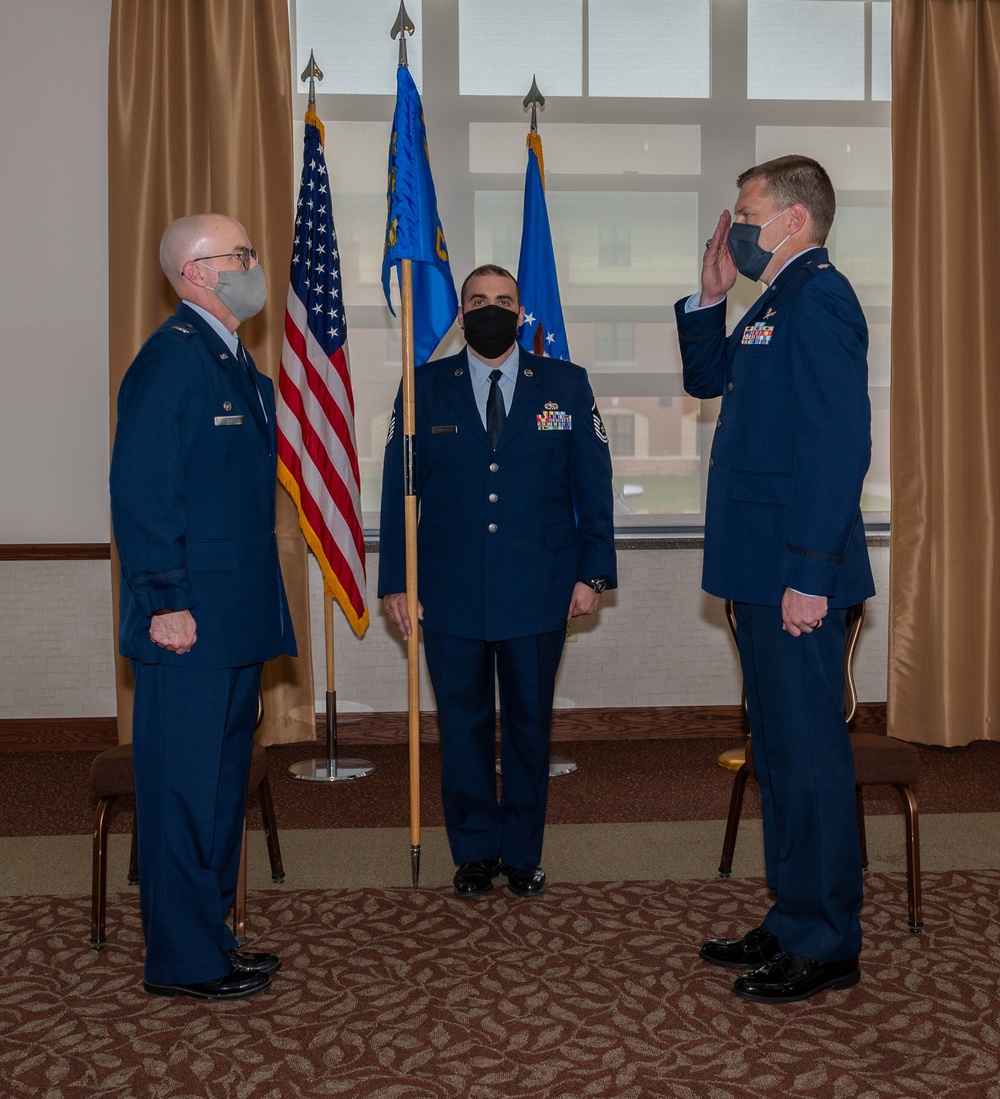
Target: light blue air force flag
{"type": "Point", "coordinates": [413, 229]}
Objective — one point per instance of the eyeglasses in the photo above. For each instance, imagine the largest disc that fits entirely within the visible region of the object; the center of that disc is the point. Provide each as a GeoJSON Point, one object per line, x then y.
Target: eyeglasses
{"type": "Point", "coordinates": [244, 255]}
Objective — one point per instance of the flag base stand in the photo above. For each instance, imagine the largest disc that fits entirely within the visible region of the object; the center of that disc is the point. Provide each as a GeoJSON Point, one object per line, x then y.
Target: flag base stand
{"type": "Point", "coordinates": [331, 769]}
{"type": "Point", "coordinates": [558, 765]}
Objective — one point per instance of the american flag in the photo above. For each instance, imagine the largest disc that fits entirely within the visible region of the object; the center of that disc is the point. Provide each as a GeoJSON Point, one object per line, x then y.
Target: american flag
{"type": "Point", "coordinates": [317, 453]}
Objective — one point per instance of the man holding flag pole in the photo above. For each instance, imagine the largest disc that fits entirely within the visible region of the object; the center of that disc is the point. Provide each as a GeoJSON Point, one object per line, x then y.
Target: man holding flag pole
{"type": "Point", "coordinates": [416, 248]}
{"type": "Point", "coordinates": [506, 455]}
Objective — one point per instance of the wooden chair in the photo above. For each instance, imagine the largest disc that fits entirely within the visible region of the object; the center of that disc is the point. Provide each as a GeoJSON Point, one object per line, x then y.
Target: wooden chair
{"type": "Point", "coordinates": [877, 760]}
{"type": "Point", "coordinates": [111, 777]}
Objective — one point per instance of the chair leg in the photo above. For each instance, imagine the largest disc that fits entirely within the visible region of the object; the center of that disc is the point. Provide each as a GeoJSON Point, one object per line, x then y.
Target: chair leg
{"type": "Point", "coordinates": [99, 884]}
{"type": "Point", "coordinates": [133, 857]}
{"type": "Point", "coordinates": [270, 830]}
{"type": "Point", "coordinates": [915, 921]}
{"type": "Point", "coordinates": [859, 804]}
{"type": "Point", "coordinates": [240, 901]}
{"type": "Point", "coordinates": [733, 823]}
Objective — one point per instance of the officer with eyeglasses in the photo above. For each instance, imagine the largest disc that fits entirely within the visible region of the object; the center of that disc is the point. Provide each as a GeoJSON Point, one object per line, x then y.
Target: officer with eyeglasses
{"type": "Point", "coordinates": [202, 602]}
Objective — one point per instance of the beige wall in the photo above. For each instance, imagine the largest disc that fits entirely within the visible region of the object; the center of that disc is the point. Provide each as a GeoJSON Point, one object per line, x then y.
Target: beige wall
{"type": "Point", "coordinates": [659, 641]}
{"type": "Point", "coordinates": [53, 278]}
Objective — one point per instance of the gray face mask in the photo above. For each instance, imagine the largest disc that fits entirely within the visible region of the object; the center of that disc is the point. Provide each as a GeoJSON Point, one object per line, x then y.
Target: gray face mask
{"type": "Point", "coordinates": [243, 293]}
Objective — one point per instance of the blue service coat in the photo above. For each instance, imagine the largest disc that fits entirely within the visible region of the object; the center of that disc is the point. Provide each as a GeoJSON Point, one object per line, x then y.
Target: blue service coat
{"type": "Point", "coordinates": [193, 476]}
{"type": "Point", "coordinates": [503, 536]}
{"type": "Point", "coordinates": [793, 439]}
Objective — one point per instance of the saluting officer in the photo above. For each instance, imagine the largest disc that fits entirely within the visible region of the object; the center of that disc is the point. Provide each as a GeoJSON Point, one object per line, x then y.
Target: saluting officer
{"type": "Point", "coordinates": [785, 541]}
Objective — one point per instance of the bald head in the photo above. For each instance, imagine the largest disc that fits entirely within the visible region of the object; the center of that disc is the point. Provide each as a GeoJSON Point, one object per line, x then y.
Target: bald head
{"type": "Point", "coordinates": [193, 252]}
{"type": "Point", "coordinates": [196, 236]}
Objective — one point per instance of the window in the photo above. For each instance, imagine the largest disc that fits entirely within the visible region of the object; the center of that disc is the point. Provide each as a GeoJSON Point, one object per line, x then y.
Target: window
{"type": "Point", "coordinates": [644, 133]}
{"type": "Point", "coordinates": [615, 248]}
{"type": "Point", "coordinates": [621, 433]}
{"type": "Point", "coordinates": [615, 343]}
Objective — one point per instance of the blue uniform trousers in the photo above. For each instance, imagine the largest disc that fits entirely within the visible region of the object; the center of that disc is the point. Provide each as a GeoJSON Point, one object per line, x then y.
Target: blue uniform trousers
{"type": "Point", "coordinates": [464, 672]}
{"type": "Point", "coordinates": [805, 768]}
{"type": "Point", "coordinates": [191, 748]}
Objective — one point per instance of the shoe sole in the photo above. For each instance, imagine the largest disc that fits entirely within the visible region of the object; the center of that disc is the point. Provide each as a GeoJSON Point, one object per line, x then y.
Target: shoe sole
{"type": "Point", "coordinates": [268, 971]}
{"type": "Point", "coordinates": [526, 892]}
{"type": "Point", "coordinates": [732, 965]}
{"type": "Point", "coordinates": [178, 990]}
{"type": "Point", "coordinates": [849, 980]}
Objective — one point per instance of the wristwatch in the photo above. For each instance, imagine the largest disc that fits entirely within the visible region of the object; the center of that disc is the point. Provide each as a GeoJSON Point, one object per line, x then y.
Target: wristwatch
{"type": "Point", "coordinates": [598, 585]}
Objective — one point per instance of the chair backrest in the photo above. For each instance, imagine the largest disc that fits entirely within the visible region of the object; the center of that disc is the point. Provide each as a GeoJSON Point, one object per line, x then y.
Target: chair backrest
{"type": "Point", "coordinates": [849, 701]}
{"type": "Point", "coordinates": [855, 619]}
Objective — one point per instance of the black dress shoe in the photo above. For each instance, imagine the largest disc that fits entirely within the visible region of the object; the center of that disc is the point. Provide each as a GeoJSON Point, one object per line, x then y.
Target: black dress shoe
{"type": "Point", "coordinates": [788, 977]}
{"type": "Point", "coordinates": [234, 986]}
{"type": "Point", "coordinates": [525, 883]}
{"type": "Point", "coordinates": [256, 963]}
{"type": "Point", "coordinates": [473, 879]}
{"type": "Point", "coordinates": [751, 952]}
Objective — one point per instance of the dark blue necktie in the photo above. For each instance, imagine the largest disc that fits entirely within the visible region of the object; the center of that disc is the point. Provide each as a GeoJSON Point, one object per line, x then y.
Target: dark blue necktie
{"type": "Point", "coordinates": [256, 408]}
{"type": "Point", "coordinates": [496, 414]}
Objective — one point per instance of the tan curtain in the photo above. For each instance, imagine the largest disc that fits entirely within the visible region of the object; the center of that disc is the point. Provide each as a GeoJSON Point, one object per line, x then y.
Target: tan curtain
{"type": "Point", "coordinates": [944, 612]}
{"type": "Point", "coordinates": [200, 119]}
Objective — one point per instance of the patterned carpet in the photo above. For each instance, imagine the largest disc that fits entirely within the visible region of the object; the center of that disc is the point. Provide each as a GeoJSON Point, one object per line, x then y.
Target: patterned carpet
{"type": "Point", "coordinates": [590, 991]}
{"type": "Point", "coordinates": [595, 990]}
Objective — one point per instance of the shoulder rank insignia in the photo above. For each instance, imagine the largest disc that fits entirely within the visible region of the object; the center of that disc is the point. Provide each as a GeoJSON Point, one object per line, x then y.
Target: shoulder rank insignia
{"type": "Point", "coordinates": [182, 328]}
{"type": "Point", "coordinates": [822, 266]}
{"type": "Point", "coordinates": [599, 429]}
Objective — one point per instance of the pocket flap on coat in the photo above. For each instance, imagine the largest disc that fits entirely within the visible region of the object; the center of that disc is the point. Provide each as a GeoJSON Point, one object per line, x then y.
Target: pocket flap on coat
{"type": "Point", "coordinates": [762, 488]}
{"type": "Point", "coordinates": [560, 535]}
{"type": "Point", "coordinates": [216, 555]}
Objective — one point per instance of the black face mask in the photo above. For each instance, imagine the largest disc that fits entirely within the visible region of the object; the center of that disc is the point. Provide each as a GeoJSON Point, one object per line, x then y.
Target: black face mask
{"type": "Point", "coordinates": [490, 330]}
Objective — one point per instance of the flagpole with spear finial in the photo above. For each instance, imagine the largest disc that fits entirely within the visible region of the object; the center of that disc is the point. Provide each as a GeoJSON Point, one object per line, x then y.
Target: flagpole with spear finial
{"type": "Point", "coordinates": [330, 769]}
{"type": "Point", "coordinates": [535, 100]}
{"type": "Point", "coordinates": [558, 765]}
{"type": "Point", "coordinates": [401, 28]}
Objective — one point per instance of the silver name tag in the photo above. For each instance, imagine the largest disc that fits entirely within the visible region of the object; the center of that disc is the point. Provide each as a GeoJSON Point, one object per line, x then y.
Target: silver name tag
{"type": "Point", "coordinates": [228, 421]}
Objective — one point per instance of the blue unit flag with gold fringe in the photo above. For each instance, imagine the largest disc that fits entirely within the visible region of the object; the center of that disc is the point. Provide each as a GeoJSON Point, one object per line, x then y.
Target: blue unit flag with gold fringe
{"type": "Point", "coordinates": [413, 229]}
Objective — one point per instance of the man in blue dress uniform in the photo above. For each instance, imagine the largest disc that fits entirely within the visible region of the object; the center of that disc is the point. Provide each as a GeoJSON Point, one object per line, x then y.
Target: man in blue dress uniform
{"type": "Point", "coordinates": [202, 603]}
{"type": "Point", "coordinates": [515, 537]}
{"type": "Point", "coordinates": [784, 539]}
